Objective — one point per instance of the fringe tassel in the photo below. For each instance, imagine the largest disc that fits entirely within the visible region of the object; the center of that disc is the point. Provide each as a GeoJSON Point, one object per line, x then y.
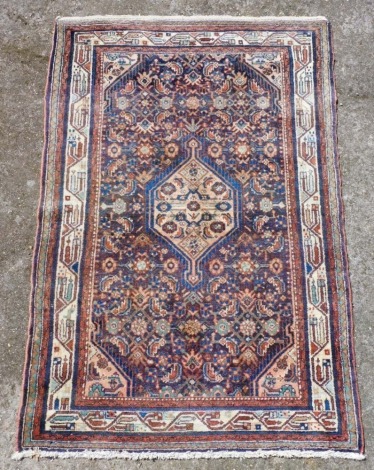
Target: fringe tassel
{"type": "Point", "coordinates": [106, 454]}
{"type": "Point", "coordinates": [223, 18]}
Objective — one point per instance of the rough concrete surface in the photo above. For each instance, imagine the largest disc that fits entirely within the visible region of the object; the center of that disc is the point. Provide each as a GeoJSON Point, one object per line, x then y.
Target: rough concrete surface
{"type": "Point", "coordinates": [26, 32]}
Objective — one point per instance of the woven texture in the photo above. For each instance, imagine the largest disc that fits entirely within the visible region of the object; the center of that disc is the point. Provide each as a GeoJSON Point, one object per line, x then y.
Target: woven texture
{"type": "Point", "coordinates": [190, 285]}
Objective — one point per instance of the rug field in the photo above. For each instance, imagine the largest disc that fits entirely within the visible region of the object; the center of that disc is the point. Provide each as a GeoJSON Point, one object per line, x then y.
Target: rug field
{"type": "Point", "coordinates": [190, 288]}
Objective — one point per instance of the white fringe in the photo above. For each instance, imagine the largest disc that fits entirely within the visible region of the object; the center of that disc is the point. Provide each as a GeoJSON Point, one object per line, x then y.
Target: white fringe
{"type": "Point", "coordinates": [223, 18]}
{"type": "Point", "coordinates": [106, 454]}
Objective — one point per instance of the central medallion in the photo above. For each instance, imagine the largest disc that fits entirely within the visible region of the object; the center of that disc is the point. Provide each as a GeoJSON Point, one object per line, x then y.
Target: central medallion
{"type": "Point", "coordinates": [193, 207]}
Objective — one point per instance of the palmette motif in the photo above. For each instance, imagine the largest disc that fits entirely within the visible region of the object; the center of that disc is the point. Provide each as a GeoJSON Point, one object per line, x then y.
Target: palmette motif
{"type": "Point", "coordinates": [195, 276]}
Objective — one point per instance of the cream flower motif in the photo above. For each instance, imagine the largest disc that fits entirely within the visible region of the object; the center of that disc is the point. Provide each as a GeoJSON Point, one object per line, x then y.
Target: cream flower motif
{"type": "Point", "coordinates": [248, 327]}
{"type": "Point", "coordinates": [139, 327]}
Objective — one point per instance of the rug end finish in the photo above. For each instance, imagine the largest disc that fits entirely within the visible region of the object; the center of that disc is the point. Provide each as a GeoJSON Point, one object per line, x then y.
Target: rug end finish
{"type": "Point", "coordinates": [109, 455]}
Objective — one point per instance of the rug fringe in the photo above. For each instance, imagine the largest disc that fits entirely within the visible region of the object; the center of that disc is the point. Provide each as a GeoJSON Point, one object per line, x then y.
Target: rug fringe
{"type": "Point", "coordinates": [103, 454]}
{"type": "Point", "coordinates": [278, 19]}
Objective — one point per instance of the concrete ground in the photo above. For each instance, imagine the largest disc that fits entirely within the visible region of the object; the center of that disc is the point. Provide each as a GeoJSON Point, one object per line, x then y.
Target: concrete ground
{"type": "Point", "coordinates": [26, 31]}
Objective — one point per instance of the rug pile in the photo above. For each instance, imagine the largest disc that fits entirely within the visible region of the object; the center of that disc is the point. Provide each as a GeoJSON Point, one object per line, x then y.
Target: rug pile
{"type": "Point", "coordinates": [190, 287]}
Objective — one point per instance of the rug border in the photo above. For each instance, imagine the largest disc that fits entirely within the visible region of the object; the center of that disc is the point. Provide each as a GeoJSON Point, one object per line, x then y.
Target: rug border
{"type": "Point", "coordinates": [36, 246]}
{"type": "Point", "coordinates": [337, 189]}
{"type": "Point", "coordinates": [338, 214]}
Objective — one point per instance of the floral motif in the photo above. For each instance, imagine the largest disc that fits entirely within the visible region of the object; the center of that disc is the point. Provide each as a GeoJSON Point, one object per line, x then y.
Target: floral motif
{"type": "Point", "coordinates": [193, 244]}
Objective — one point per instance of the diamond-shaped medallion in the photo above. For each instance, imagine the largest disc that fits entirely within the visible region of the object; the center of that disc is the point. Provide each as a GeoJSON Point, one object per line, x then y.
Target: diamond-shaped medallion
{"type": "Point", "coordinates": [193, 207]}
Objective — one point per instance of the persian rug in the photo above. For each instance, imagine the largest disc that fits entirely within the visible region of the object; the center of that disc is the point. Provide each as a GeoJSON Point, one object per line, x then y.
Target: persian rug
{"type": "Point", "coordinates": [190, 292]}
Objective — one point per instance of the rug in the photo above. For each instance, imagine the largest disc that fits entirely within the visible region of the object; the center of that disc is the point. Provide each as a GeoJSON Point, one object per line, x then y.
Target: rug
{"type": "Point", "coordinates": [190, 291]}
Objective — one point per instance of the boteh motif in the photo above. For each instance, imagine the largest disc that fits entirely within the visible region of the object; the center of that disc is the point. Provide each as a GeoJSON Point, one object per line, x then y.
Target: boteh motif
{"type": "Point", "coordinates": [190, 280]}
